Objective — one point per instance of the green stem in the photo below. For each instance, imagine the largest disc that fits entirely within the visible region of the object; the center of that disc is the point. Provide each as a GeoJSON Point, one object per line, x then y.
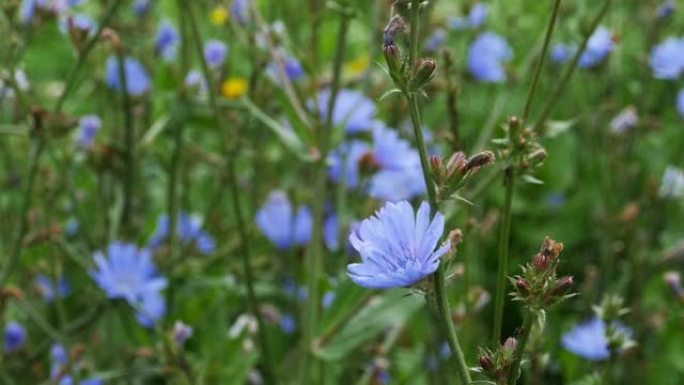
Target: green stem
{"type": "Point", "coordinates": [317, 250]}
{"type": "Point", "coordinates": [558, 91]}
{"type": "Point", "coordinates": [234, 189]}
{"type": "Point", "coordinates": [504, 245]}
{"type": "Point", "coordinates": [129, 143]}
{"type": "Point", "coordinates": [441, 297]}
{"type": "Point", "coordinates": [542, 58]}
{"type": "Point", "coordinates": [520, 348]}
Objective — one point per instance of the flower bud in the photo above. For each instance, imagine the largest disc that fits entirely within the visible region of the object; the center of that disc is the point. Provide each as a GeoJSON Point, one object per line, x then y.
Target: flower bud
{"type": "Point", "coordinates": [437, 166]}
{"type": "Point", "coordinates": [393, 27]}
{"type": "Point", "coordinates": [510, 344]}
{"type": "Point", "coordinates": [541, 262]}
{"type": "Point", "coordinates": [479, 160]}
{"type": "Point", "coordinates": [523, 286]}
{"type": "Point", "coordinates": [562, 286]}
{"type": "Point", "coordinates": [487, 363]}
{"type": "Point", "coordinates": [455, 238]}
{"type": "Point", "coordinates": [456, 164]}
{"type": "Point", "coordinates": [537, 157]}
{"type": "Point", "coordinates": [393, 59]}
{"type": "Point", "coordinates": [424, 72]}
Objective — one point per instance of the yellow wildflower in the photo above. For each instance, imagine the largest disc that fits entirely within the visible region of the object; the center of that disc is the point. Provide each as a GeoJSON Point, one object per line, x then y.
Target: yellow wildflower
{"type": "Point", "coordinates": [219, 15]}
{"type": "Point", "coordinates": [233, 88]}
{"type": "Point", "coordinates": [358, 66]}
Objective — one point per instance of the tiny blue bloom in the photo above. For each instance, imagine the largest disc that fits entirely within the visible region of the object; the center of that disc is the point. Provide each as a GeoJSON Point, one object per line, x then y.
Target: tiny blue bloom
{"type": "Point", "coordinates": [92, 381]}
{"type": "Point", "coordinates": [478, 15]}
{"type": "Point", "coordinates": [293, 68]}
{"type": "Point", "coordinates": [588, 340]}
{"type": "Point", "coordinates": [215, 52]}
{"type": "Point", "coordinates": [181, 332]}
{"type": "Point", "coordinates": [352, 109]}
{"type": "Point", "coordinates": [331, 231]}
{"type": "Point", "coordinates": [137, 80]}
{"type": "Point", "coordinates": [667, 59]}
{"type": "Point", "coordinates": [189, 230]}
{"type": "Point", "coordinates": [89, 126]}
{"type": "Point", "coordinates": [288, 323]}
{"type": "Point", "coordinates": [28, 9]}
{"type": "Point", "coordinates": [46, 286]}
{"type": "Point", "coordinates": [240, 10]}
{"type": "Point", "coordinates": [15, 337]}
{"type": "Point", "coordinates": [281, 224]}
{"type": "Point", "coordinates": [625, 120]}
{"type": "Point", "coordinates": [397, 246]}
{"type": "Point", "coordinates": [667, 8]}
{"type": "Point", "coordinates": [486, 56]}
{"type": "Point", "coordinates": [167, 41]}
{"type": "Point", "coordinates": [328, 299]}
{"type": "Point", "coordinates": [59, 355]}
{"type": "Point", "coordinates": [79, 21]}
{"type": "Point", "coordinates": [141, 7]}
{"type": "Point", "coordinates": [599, 46]}
{"type": "Point", "coordinates": [436, 40]}
{"type": "Point", "coordinates": [129, 273]}
{"type": "Point", "coordinates": [561, 53]}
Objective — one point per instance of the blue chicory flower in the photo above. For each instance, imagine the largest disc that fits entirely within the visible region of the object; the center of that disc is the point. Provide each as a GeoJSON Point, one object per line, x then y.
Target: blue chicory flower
{"type": "Point", "coordinates": [328, 299]}
{"type": "Point", "coordinates": [137, 80]}
{"type": "Point", "coordinates": [478, 15]}
{"type": "Point", "coordinates": [89, 126]}
{"type": "Point", "coordinates": [624, 121]}
{"type": "Point", "coordinates": [666, 9]}
{"type": "Point", "coordinates": [79, 21]}
{"type": "Point", "coordinates": [59, 355]}
{"type": "Point", "coordinates": [240, 10]}
{"type": "Point", "coordinates": [281, 224]}
{"type": "Point", "coordinates": [15, 337]}
{"type": "Point", "coordinates": [599, 46]}
{"type": "Point", "coordinates": [167, 40]}
{"type": "Point", "coordinates": [352, 109]}
{"type": "Point", "coordinates": [331, 232]}
{"type": "Point", "coordinates": [288, 323]}
{"type": "Point", "coordinates": [182, 332]}
{"type": "Point", "coordinates": [293, 69]}
{"type": "Point", "coordinates": [486, 56]}
{"type": "Point", "coordinates": [397, 246]}
{"type": "Point", "coordinates": [92, 381]}
{"type": "Point", "coordinates": [345, 162]}
{"type": "Point", "coordinates": [189, 230]}
{"type": "Point", "coordinates": [436, 40]}
{"type": "Point", "coordinates": [667, 59]}
{"type": "Point", "coordinates": [28, 9]}
{"type": "Point", "coordinates": [129, 273]}
{"type": "Point", "coordinates": [215, 52]}
{"type": "Point", "coordinates": [561, 53]}
{"type": "Point", "coordinates": [397, 185]}
{"type": "Point", "coordinates": [141, 7]}
{"type": "Point", "coordinates": [46, 286]}
{"type": "Point", "coordinates": [588, 340]}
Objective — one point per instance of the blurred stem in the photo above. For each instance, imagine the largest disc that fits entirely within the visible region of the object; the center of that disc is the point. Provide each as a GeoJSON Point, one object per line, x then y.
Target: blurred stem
{"type": "Point", "coordinates": [441, 298]}
{"type": "Point", "coordinates": [234, 188]}
{"type": "Point", "coordinates": [504, 244]}
{"type": "Point", "coordinates": [520, 348]}
{"type": "Point", "coordinates": [15, 255]}
{"type": "Point", "coordinates": [542, 58]}
{"type": "Point", "coordinates": [560, 87]}
{"type": "Point", "coordinates": [129, 143]}
{"type": "Point", "coordinates": [317, 250]}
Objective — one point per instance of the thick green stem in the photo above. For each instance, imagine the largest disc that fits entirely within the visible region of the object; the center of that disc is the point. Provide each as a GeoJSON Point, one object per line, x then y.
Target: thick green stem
{"type": "Point", "coordinates": [520, 348]}
{"type": "Point", "coordinates": [234, 188]}
{"type": "Point", "coordinates": [317, 250]}
{"type": "Point", "coordinates": [542, 58]}
{"type": "Point", "coordinates": [441, 298]}
{"type": "Point", "coordinates": [504, 245]}
{"type": "Point", "coordinates": [129, 144]}
{"type": "Point", "coordinates": [558, 91]}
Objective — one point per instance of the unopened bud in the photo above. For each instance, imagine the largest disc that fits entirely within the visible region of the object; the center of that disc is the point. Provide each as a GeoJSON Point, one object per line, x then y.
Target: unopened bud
{"type": "Point", "coordinates": [510, 344]}
{"type": "Point", "coordinates": [393, 59]}
{"type": "Point", "coordinates": [437, 165]}
{"type": "Point", "coordinates": [537, 157]}
{"type": "Point", "coordinates": [541, 262]}
{"type": "Point", "coordinates": [425, 71]}
{"type": "Point", "coordinates": [455, 238]}
{"type": "Point", "coordinates": [487, 363]}
{"type": "Point", "coordinates": [393, 27]}
{"type": "Point", "coordinates": [456, 164]}
{"type": "Point", "coordinates": [523, 286]}
{"type": "Point", "coordinates": [514, 124]}
{"type": "Point", "coordinates": [562, 286]}
{"type": "Point", "coordinates": [480, 160]}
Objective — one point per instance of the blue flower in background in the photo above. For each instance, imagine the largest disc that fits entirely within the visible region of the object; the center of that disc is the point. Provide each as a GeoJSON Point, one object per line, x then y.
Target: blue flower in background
{"type": "Point", "coordinates": [46, 286]}
{"type": "Point", "coordinates": [15, 337]}
{"type": "Point", "coordinates": [293, 68]}
{"type": "Point", "coordinates": [240, 10]}
{"type": "Point", "coordinates": [181, 332]}
{"type": "Point", "coordinates": [680, 103]}
{"type": "Point", "coordinates": [478, 15]}
{"type": "Point", "coordinates": [672, 184]}
{"type": "Point", "coordinates": [89, 126]}
{"type": "Point", "coordinates": [293, 289]}
{"type": "Point", "coordinates": [667, 59]}
{"type": "Point", "coordinates": [588, 340]}
{"type": "Point", "coordinates": [331, 232]}
{"type": "Point", "coordinates": [28, 9]}
{"type": "Point", "coordinates": [281, 224]}
{"type": "Point", "coordinates": [288, 323]}
{"type": "Point", "coordinates": [194, 79]}
{"type": "Point", "coordinates": [666, 9]}
{"type": "Point", "coordinates": [599, 46]}
{"type": "Point", "coordinates": [167, 40]}
{"type": "Point", "coordinates": [561, 53]}
{"type": "Point", "coordinates": [59, 355]}
{"type": "Point", "coordinates": [352, 109]}
{"type": "Point", "coordinates": [215, 52]}
{"type": "Point", "coordinates": [345, 162]}
{"type": "Point", "coordinates": [397, 246]}
{"type": "Point", "coordinates": [328, 299]}
{"type": "Point", "coordinates": [129, 273]}
{"type": "Point", "coordinates": [397, 185]}
{"type": "Point", "coordinates": [486, 56]}
{"type": "Point", "coordinates": [78, 21]}
{"type": "Point", "coordinates": [436, 40]}
{"type": "Point", "coordinates": [92, 381]}
{"type": "Point", "coordinates": [137, 80]}
{"type": "Point", "coordinates": [189, 230]}
{"type": "Point", "coordinates": [391, 152]}
{"type": "Point", "coordinates": [141, 7]}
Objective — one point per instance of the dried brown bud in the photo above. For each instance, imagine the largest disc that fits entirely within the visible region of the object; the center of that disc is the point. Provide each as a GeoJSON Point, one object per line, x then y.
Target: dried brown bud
{"type": "Point", "coordinates": [112, 36]}
{"type": "Point", "coordinates": [479, 160]}
{"type": "Point", "coordinates": [395, 26]}
{"type": "Point", "coordinates": [551, 248]}
{"type": "Point", "coordinates": [455, 237]}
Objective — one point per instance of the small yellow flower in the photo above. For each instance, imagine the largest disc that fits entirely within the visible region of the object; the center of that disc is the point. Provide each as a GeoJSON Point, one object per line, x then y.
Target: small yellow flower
{"type": "Point", "coordinates": [219, 15]}
{"type": "Point", "coordinates": [233, 88]}
{"type": "Point", "coordinates": [358, 66]}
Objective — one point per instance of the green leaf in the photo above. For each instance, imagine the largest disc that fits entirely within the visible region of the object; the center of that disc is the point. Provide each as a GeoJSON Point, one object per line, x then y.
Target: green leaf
{"type": "Point", "coordinates": [531, 179]}
{"type": "Point", "coordinates": [380, 313]}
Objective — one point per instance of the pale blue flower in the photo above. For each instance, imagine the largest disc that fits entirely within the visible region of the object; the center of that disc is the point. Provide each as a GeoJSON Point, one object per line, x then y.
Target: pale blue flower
{"type": "Point", "coordinates": [397, 185]}
{"type": "Point", "coordinates": [79, 21]}
{"type": "Point", "coordinates": [328, 299]}
{"type": "Point", "coordinates": [667, 59]}
{"type": "Point", "coordinates": [141, 7]}
{"type": "Point", "coordinates": [352, 109]}
{"type": "Point", "coordinates": [215, 52]}
{"type": "Point", "coordinates": [588, 340]}
{"type": "Point", "coordinates": [561, 53]}
{"type": "Point", "coordinates": [390, 151]}
{"type": "Point", "coordinates": [240, 11]}
{"type": "Point", "coordinates": [129, 273]}
{"type": "Point", "coordinates": [397, 246]}
{"type": "Point", "coordinates": [666, 9]}
{"type": "Point", "coordinates": [331, 232]}
{"type": "Point", "coordinates": [486, 57]}
{"type": "Point", "coordinates": [168, 40]}
{"type": "Point", "coordinates": [137, 80]}
{"type": "Point", "coordinates": [599, 46]}
{"type": "Point", "coordinates": [92, 381]}
{"type": "Point", "coordinates": [182, 332]}
{"type": "Point", "coordinates": [478, 15]}
{"type": "Point", "coordinates": [189, 230]}
{"type": "Point", "coordinates": [436, 40]}
{"type": "Point", "coordinates": [288, 323]}
{"type": "Point", "coordinates": [345, 162]}
{"type": "Point", "coordinates": [46, 286]}
{"type": "Point", "coordinates": [89, 126]}
{"type": "Point", "coordinates": [292, 67]}
{"type": "Point", "coordinates": [672, 184]}
{"type": "Point", "coordinates": [59, 355]}
{"type": "Point", "coordinates": [281, 224]}
{"type": "Point", "coordinates": [15, 337]}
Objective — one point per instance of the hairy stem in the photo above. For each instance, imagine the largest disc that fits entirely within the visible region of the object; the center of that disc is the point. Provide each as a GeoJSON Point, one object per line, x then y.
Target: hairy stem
{"type": "Point", "coordinates": [504, 245]}
{"type": "Point", "coordinates": [520, 348]}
